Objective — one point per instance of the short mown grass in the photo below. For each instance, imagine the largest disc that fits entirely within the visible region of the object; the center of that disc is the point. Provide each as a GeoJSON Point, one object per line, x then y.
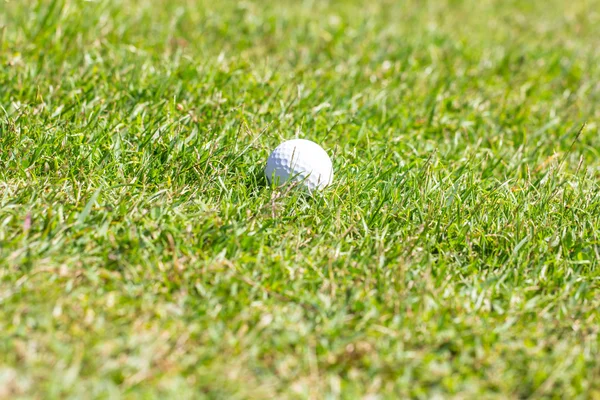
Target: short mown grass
{"type": "Point", "coordinates": [143, 255]}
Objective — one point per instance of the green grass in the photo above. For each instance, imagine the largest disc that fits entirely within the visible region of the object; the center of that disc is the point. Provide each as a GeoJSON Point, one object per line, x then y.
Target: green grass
{"type": "Point", "coordinates": [142, 254]}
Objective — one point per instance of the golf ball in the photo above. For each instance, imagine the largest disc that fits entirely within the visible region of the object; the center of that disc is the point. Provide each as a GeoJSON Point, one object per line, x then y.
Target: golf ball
{"type": "Point", "coordinates": [302, 161]}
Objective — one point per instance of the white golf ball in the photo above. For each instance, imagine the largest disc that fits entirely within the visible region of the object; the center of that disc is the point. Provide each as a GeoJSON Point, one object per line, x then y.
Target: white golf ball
{"type": "Point", "coordinates": [302, 161]}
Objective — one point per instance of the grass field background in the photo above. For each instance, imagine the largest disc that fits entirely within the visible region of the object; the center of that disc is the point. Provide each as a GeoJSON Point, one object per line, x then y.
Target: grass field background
{"type": "Point", "coordinates": [142, 254]}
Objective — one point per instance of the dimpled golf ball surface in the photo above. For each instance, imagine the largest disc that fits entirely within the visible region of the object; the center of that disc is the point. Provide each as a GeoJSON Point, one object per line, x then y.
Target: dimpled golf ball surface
{"type": "Point", "coordinates": [300, 160]}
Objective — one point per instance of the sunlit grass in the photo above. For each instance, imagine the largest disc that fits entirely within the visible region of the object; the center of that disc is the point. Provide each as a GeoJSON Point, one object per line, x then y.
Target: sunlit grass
{"type": "Point", "coordinates": [142, 253]}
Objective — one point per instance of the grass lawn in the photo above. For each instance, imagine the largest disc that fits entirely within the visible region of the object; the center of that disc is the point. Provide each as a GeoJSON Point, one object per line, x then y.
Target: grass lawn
{"type": "Point", "coordinates": [143, 255]}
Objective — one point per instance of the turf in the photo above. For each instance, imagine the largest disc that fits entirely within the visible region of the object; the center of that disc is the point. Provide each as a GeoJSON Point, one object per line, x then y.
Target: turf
{"type": "Point", "coordinates": [143, 255]}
